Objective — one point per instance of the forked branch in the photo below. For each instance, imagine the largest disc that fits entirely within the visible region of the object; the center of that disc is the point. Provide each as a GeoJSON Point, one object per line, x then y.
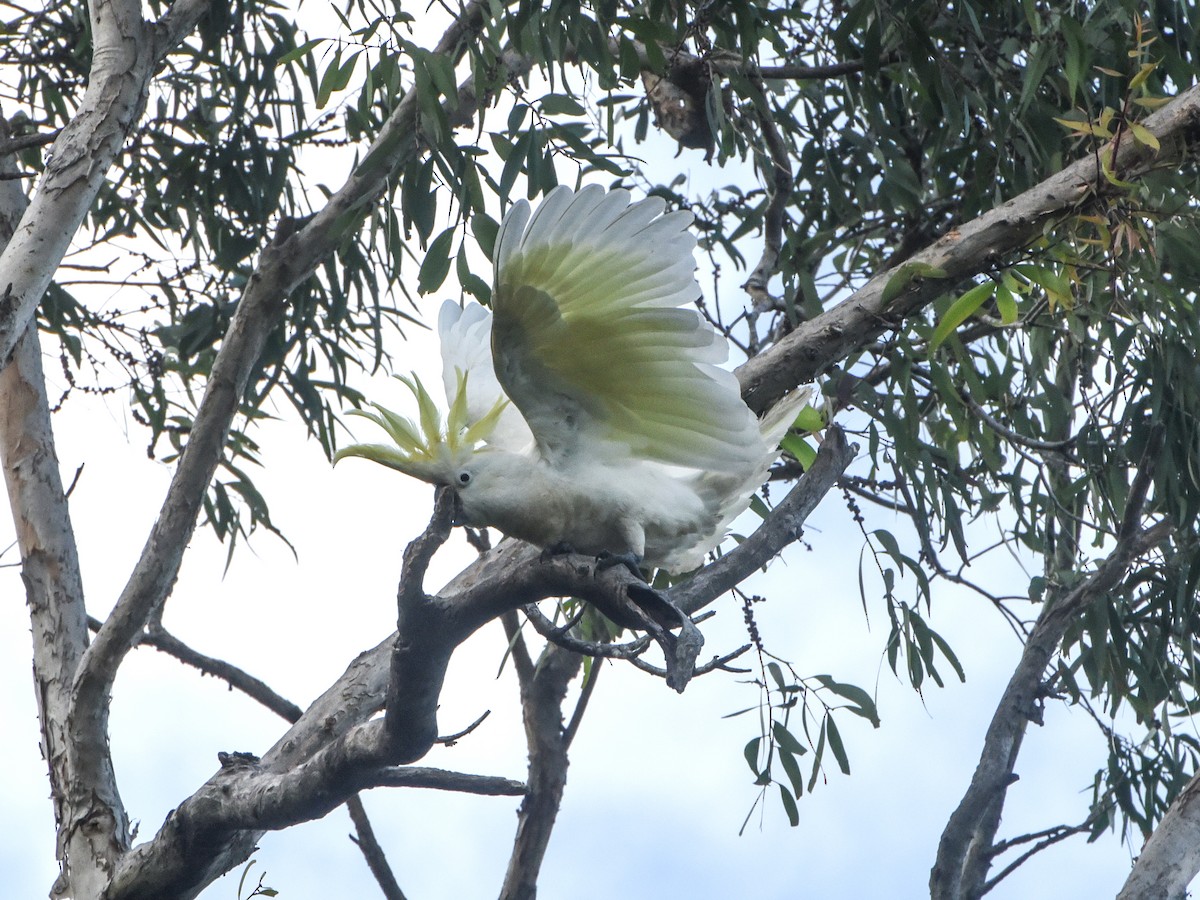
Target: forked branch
{"type": "Point", "coordinates": [964, 852]}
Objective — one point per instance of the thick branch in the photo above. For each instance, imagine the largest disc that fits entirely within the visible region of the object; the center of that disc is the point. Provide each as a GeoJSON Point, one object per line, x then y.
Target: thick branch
{"type": "Point", "coordinates": [333, 752]}
{"type": "Point", "coordinates": [1170, 858]}
{"type": "Point", "coordinates": [964, 850]}
{"type": "Point", "coordinates": [54, 594]}
{"type": "Point", "coordinates": [412, 702]}
{"type": "Point", "coordinates": [541, 706]}
{"type": "Point", "coordinates": [968, 250]}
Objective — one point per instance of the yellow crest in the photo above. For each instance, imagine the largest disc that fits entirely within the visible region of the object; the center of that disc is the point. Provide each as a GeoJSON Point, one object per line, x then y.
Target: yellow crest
{"type": "Point", "coordinates": [430, 449]}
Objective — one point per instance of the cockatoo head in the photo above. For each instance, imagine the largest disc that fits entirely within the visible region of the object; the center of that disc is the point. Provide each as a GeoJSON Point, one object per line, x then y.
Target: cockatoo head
{"type": "Point", "coordinates": [434, 451]}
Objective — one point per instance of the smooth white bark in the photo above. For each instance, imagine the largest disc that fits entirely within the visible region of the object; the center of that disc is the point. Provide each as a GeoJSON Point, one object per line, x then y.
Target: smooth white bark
{"type": "Point", "coordinates": [1171, 857]}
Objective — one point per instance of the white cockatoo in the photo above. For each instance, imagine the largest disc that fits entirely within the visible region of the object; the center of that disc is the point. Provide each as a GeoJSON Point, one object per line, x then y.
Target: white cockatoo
{"type": "Point", "coordinates": [588, 408]}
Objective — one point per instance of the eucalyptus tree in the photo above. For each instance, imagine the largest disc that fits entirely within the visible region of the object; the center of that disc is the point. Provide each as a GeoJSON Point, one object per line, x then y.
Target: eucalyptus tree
{"type": "Point", "coordinates": [972, 225]}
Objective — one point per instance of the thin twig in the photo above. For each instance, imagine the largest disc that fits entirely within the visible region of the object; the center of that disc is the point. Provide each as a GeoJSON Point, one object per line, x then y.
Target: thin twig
{"type": "Point", "coordinates": [451, 739]}
{"type": "Point", "coordinates": [445, 780]}
{"type": "Point", "coordinates": [563, 638]}
{"type": "Point", "coordinates": [717, 662]}
{"type": "Point", "coordinates": [1051, 836]}
{"type": "Point", "coordinates": [371, 850]}
{"type": "Point", "coordinates": [25, 141]}
{"type": "Point", "coordinates": [585, 694]}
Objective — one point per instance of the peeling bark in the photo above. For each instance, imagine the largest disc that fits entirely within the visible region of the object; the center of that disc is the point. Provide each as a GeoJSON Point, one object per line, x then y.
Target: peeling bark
{"type": "Point", "coordinates": [91, 824]}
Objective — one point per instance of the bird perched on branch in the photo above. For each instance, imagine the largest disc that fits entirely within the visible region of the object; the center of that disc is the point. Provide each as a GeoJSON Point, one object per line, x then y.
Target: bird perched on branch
{"type": "Point", "coordinates": [588, 409]}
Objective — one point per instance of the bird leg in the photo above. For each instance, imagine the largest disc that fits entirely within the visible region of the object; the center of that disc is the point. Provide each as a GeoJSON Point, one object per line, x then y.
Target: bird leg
{"type": "Point", "coordinates": [630, 560]}
{"type": "Point", "coordinates": [558, 548]}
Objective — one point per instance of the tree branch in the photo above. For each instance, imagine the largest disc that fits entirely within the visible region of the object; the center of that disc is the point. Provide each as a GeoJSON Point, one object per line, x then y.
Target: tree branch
{"type": "Point", "coordinates": [777, 176]}
{"type": "Point", "coordinates": [966, 251]}
{"type": "Point", "coordinates": [966, 844]}
{"type": "Point", "coordinates": [12, 145]}
{"type": "Point", "coordinates": [328, 754]}
{"type": "Point", "coordinates": [333, 752]}
{"type": "Point", "coordinates": [162, 640]}
{"type": "Point", "coordinates": [54, 595]}
{"type": "Point", "coordinates": [124, 60]}
{"type": "Point", "coordinates": [1170, 858]}
{"type": "Point", "coordinates": [444, 780]}
{"type": "Point", "coordinates": [411, 711]}
{"type": "Point", "coordinates": [541, 705]}
{"type": "Point", "coordinates": [1048, 838]}
{"type": "Point", "coordinates": [371, 851]}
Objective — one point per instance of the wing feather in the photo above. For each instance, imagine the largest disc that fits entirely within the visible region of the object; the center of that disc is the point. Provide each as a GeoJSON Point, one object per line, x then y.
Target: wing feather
{"type": "Point", "coordinates": [594, 340]}
{"type": "Point", "coordinates": [465, 335]}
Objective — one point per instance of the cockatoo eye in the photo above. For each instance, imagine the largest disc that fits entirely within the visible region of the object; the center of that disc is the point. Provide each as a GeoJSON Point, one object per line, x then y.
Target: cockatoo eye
{"type": "Point", "coordinates": [464, 477]}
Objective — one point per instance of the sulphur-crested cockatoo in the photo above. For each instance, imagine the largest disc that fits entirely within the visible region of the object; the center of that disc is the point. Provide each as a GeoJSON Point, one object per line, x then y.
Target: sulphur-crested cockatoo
{"type": "Point", "coordinates": [624, 436]}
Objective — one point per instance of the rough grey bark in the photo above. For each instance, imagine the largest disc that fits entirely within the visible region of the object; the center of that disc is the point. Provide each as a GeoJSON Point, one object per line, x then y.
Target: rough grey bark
{"type": "Point", "coordinates": [542, 694]}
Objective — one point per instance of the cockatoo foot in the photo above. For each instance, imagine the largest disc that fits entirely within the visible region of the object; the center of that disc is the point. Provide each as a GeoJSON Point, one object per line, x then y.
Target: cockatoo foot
{"type": "Point", "coordinates": [630, 560]}
{"type": "Point", "coordinates": [558, 548]}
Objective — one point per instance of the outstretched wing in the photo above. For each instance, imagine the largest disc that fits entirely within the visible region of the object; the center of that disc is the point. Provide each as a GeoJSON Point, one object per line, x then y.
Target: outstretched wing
{"type": "Point", "coordinates": [590, 342]}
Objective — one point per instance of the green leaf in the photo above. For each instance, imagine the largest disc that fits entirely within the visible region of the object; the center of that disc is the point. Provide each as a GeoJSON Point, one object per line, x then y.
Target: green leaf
{"type": "Point", "coordinates": [789, 806]}
{"type": "Point", "coordinates": [949, 654]}
{"type": "Point", "coordinates": [798, 447]}
{"type": "Point", "coordinates": [908, 274]}
{"type": "Point", "coordinates": [303, 50]}
{"type": "Point", "coordinates": [561, 105]}
{"type": "Point", "coordinates": [809, 419]}
{"type": "Point", "coordinates": [818, 756]}
{"type": "Point", "coordinates": [777, 675]}
{"type": "Point", "coordinates": [786, 740]}
{"type": "Point", "coordinates": [514, 163]}
{"type": "Point", "coordinates": [436, 265]}
{"type": "Point", "coordinates": [1144, 136]}
{"type": "Point", "coordinates": [485, 229]}
{"type": "Point", "coordinates": [862, 701]}
{"type": "Point", "coordinates": [961, 310]}
{"type": "Point", "coordinates": [791, 768]}
{"type": "Point", "coordinates": [835, 744]}
{"type": "Point", "coordinates": [1006, 305]}
{"type": "Point", "coordinates": [751, 753]}
{"type": "Point", "coordinates": [336, 77]}
{"type": "Point", "coordinates": [1143, 73]}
